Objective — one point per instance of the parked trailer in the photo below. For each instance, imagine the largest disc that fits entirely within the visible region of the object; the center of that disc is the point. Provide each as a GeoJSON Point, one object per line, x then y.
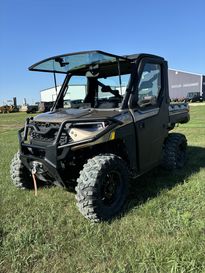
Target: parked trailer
{"type": "Point", "coordinates": [182, 83]}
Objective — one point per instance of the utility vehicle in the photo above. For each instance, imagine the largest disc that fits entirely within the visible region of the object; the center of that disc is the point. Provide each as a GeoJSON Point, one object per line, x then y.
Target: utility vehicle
{"type": "Point", "coordinates": [118, 130]}
{"type": "Point", "coordinates": [194, 97]}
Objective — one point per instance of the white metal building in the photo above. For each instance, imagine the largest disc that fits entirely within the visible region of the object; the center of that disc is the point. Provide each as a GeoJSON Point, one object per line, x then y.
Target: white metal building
{"type": "Point", "coordinates": [75, 92]}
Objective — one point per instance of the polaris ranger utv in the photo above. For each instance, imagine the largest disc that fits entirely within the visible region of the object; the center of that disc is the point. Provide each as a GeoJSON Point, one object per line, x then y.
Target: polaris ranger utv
{"type": "Point", "coordinates": [118, 129]}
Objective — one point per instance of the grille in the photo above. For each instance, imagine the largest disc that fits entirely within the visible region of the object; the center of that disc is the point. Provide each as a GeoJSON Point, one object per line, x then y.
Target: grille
{"type": "Point", "coordinates": [50, 136]}
{"type": "Point", "coordinates": [44, 126]}
{"type": "Point", "coordinates": [45, 138]}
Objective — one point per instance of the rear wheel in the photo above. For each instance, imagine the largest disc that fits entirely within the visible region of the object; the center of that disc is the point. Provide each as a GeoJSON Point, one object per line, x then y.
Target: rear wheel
{"type": "Point", "coordinates": [102, 187]}
{"type": "Point", "coordinates": [20, 175]}
{"type": "Point", "coordinates": [174, 155]}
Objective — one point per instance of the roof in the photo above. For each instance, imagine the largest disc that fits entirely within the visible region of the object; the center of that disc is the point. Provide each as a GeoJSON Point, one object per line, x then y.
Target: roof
{"type": "Point", "coordinates": [81, 61]}
{"type": "Point", "coordinates": [142, 55]}
{"type": "Point", "coordinates": [75, 61]}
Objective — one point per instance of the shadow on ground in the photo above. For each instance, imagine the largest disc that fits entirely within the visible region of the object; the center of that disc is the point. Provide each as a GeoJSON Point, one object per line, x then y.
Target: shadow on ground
{"type": "Point", "coordinates": [151, 184]}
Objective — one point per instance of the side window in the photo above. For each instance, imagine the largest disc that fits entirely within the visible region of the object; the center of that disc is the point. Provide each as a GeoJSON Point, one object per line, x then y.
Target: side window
{"type": "Point", "coordinates": [149, 85]}
{"type": "Point", "coordinates": [113, 82]}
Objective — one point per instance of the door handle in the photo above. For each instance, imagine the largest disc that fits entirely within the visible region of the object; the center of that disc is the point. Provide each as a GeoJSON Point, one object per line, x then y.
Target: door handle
{"type": "Point", "coordinates": [141, 125]}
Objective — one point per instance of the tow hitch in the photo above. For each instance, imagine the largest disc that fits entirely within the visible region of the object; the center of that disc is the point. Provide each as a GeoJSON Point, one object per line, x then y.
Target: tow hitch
{"type": "Point", "coordinates": [37, 166]}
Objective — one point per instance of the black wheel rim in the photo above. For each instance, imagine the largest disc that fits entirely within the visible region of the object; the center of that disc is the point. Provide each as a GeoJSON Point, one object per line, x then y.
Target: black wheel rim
{"type": "Point", "coordinates": [181, 156]}
{"type": "Point", "coordinates": [111, 188]}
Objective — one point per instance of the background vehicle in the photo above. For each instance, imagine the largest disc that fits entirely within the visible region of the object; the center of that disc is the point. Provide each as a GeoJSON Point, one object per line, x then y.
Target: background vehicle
{"type": "Point", "coordinates": [32, 108]}
{"type": "Point", "coordinates": [120, 129]}
{"type": "Point", "coordinates": [11, 108]}
{"type": "Point", "coordinates": [194, 97]}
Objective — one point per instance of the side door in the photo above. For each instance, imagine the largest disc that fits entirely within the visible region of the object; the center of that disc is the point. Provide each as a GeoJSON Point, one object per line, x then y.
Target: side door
{"type": "Point", "coordinates": [150, 112]}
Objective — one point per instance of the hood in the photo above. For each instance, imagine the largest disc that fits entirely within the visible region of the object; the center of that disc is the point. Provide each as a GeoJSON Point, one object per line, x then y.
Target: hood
{"type": "Point", "coordinates": [61, 115]}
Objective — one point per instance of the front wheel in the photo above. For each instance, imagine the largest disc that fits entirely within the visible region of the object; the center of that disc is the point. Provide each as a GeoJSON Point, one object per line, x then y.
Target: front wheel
{"type": "Point", "coordinates": [20, 176]}
{"type": "Point", "coordinates": [102, 187]}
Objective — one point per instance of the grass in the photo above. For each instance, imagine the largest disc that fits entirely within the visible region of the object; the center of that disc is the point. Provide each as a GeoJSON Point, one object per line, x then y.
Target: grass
{"type": "Point", "coordinates": [162, 229]}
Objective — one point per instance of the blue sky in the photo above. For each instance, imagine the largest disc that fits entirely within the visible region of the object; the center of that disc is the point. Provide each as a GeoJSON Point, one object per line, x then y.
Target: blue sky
{"type": "Point", "coordinates": [31, 30]}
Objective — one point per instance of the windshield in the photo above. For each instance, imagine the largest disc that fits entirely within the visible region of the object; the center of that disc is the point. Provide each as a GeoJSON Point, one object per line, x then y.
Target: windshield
{"type": "Point", "coordinates": [75, 61]}
{"type": "Point", "coordinates": [96, 79]}
{"type": "Point", "coordinates": [93, 92]}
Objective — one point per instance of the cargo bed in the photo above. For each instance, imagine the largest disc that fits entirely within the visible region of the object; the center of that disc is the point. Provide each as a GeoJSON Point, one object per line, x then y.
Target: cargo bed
{"type": "Point", "coordinates": [178, 113]}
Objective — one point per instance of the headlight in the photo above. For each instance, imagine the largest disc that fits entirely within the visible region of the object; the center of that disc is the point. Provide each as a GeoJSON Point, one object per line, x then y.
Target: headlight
{"type": "Point", "coordinates": [81, 131]}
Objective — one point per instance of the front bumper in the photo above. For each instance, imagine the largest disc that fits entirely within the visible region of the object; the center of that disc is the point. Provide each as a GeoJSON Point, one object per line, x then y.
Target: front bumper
{"type": "Point", "coordinates": [47, 155]}
{"type": "Point", "coordinates": [53, 153]}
